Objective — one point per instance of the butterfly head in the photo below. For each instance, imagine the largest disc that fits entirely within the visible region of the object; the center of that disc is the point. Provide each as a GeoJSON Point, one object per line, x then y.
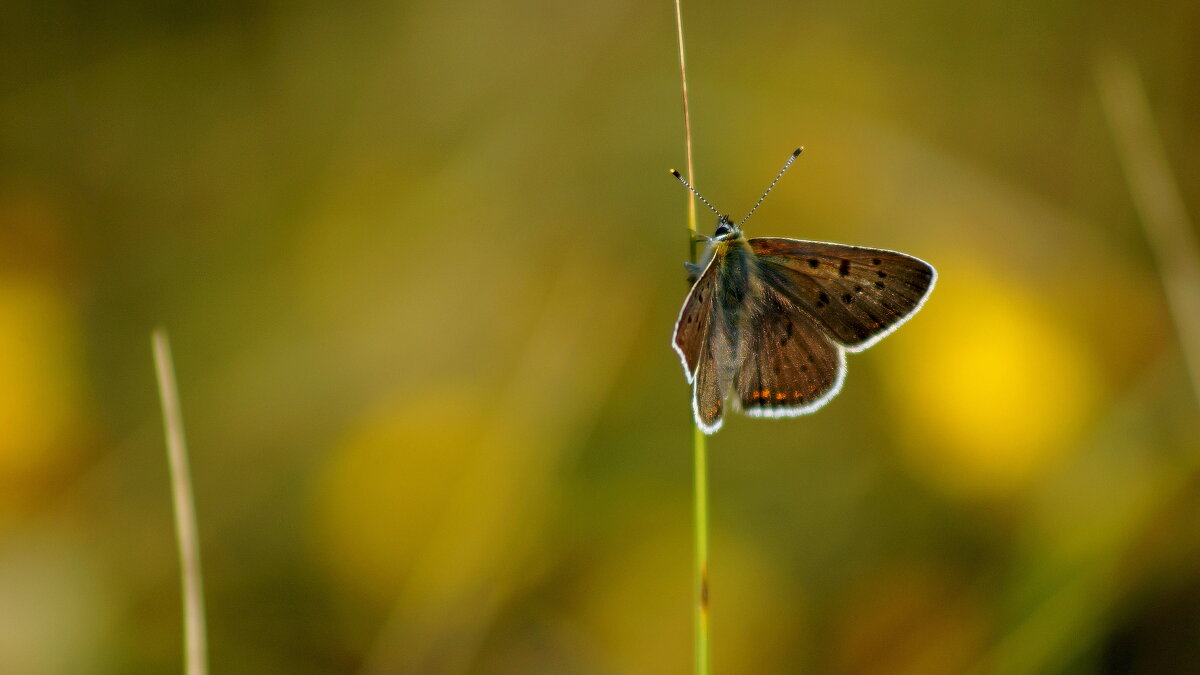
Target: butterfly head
{"type": "Point", "coordinates": [726, 229]}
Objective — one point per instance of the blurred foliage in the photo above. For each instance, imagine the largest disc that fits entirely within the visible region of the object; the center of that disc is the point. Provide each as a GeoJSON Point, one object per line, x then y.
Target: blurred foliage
{"type": "Point", "coordinates": [420, 261]}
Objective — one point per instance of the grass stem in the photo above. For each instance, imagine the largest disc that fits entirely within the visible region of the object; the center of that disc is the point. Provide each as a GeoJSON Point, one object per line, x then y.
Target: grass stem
{"type": "Point", "coordinates": [700, 488]}
{"type": "Point", "coordinates": [195, 640]}
{"type": "Point", "coordinates": [699, 441]}
{"type": "Point", "coordinates": [1157, 199]}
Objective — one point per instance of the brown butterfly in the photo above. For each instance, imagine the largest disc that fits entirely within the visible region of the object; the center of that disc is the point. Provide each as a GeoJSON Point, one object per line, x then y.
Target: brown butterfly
{"type": "Point", "coordinates": [768, 320]}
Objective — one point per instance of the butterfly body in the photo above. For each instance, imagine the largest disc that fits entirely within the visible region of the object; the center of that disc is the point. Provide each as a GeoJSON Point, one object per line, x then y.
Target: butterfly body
{"type": "Point", "coordinates": [768, 320]}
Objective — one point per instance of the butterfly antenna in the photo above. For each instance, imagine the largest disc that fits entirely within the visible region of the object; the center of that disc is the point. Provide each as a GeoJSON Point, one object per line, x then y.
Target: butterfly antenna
{"type": "Point", "coordinates": [689, 186]}
{"type": "Point", "coordinates": [768, 190]}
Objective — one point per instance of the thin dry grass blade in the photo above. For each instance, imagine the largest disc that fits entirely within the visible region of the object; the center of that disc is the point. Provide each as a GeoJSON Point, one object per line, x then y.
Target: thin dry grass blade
{"type": "Point", "coordinates": [1157, 198]}
{"type": "Point", "coordinates": [195, 639]}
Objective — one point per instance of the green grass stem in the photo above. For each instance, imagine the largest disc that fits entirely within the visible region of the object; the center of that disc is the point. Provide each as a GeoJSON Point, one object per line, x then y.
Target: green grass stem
{"type": "Point", "coordinates": [699, 441]}
{"type": "Point", "coordinates": [700, 488]}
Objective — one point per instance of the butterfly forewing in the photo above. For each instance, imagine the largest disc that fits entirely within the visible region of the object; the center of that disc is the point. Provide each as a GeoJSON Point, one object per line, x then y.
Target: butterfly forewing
{"type": "Point", "coordinates": [857, 295]}
{"type": "Point", "coordinates": [787, 365]}
{"type": "Point", "coordinates": [691, 330]}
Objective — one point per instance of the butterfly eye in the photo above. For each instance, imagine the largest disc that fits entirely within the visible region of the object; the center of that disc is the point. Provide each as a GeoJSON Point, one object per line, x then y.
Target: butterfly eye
{"type": "Point", "coordinates": [724, 226]}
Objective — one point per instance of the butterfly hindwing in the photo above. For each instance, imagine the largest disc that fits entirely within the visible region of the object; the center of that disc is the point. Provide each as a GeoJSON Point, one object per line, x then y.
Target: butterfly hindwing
{"type": "Point", "coordinates": [708, 391]}
{"type": "Point", "coordinates": [691, 329]}
{"type": "Point", "coordinates": [787, 366]}
{"type": "Point", "coordinates": [857, 295]}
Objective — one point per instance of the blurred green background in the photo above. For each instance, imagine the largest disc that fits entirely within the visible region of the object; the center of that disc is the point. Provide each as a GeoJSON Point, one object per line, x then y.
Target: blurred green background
{"type": "Point", "coordinates": [420, 263]}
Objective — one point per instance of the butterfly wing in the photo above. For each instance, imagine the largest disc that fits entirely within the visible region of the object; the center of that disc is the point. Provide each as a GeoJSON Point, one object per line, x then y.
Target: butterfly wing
{"type": "Point", "coordinates": [857, 295]}
{"type": "Point", "coordinates": [787, 366]}
{"type": "Point", "coordinates": [704, 340]}
{"type": "Point", "coordinates": [708, 391]}
{"type": "Point", "coordinates": [691, 329]}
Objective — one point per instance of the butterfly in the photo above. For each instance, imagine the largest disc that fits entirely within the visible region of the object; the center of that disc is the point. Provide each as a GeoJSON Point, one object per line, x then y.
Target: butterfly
{"type": "Point", "coordinates": [768, 321]}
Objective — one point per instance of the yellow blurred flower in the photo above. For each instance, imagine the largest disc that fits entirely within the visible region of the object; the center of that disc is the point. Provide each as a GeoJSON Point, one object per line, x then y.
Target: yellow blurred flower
{"type": "Point", "coordinates": [991, 386]}
{"type": "Point", "coordinates": [39, 399]}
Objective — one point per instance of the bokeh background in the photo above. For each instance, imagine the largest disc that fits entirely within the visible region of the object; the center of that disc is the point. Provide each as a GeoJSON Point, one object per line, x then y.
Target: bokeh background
{"type": "Point", "coordinates": [420, 261]}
